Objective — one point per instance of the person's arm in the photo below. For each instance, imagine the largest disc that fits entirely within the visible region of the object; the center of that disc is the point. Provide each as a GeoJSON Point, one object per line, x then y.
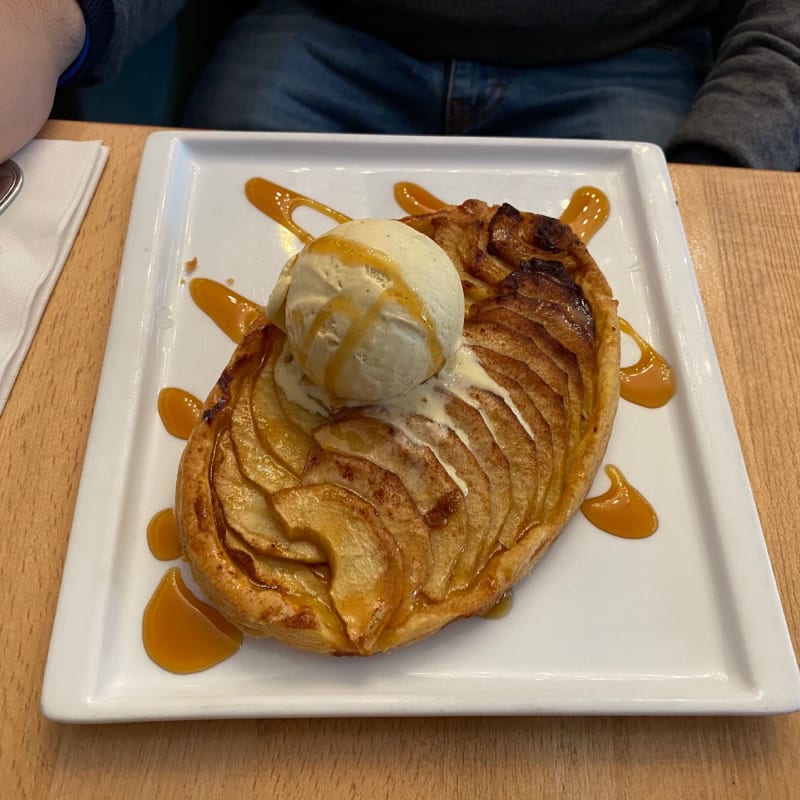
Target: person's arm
{"type": "Point", "coordinates": [747, 112]}
{"type": "Point", "coordinates": [39, 39]}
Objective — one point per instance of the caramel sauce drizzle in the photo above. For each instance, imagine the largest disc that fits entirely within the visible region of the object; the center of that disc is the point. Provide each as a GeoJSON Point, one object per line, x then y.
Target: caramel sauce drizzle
{"type": "Point", "coordinates": [162, 536]}
{"type": "Point", "coordinates": [501, 608]}
{"type": "Point", "coordinates": [280, 203]}
{"type": "Point", "coordinates": [587, 211]}
{"type": "Point", "coordinates": [621, 510]}
{"type": "Point", "coordinates": [649, 382]}
{"type": "Point", "coordinates": [179, 411]}
{"type": "Point", "coordinates": [230, 311]}
{"type": "Point", "coordinates": [397, 291]}
{"type": "Point", "coordinates": [415, 200]}
{"type": "Point", "coordinates": [181, 633]}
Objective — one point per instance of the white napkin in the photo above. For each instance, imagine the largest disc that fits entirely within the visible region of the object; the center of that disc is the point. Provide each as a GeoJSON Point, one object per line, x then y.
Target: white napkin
{"type": "Point", "coordinates": [36, 234]}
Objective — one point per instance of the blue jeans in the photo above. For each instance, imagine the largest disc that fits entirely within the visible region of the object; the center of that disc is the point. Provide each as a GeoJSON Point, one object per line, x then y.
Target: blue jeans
{"type": "Point", "coordinates": [288, 66]}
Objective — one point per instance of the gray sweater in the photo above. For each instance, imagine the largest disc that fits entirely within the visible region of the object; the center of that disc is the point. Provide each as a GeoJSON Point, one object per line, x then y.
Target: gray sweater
{"type": "Point", "coordinates": [747, 113]}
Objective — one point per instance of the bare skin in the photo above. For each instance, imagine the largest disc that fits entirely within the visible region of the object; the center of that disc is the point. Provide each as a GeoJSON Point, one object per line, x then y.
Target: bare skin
{"type": "Point", "coordinates": [39, 39]}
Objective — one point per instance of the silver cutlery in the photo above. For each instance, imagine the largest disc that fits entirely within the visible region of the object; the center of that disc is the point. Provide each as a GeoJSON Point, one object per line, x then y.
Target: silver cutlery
{"type": "Point", "coordinates": [10, 183]}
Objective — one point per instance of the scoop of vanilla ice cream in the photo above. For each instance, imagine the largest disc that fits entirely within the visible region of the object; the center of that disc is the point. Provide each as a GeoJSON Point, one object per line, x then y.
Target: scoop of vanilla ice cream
{"type": "Point", "coordinates": [371, 309]}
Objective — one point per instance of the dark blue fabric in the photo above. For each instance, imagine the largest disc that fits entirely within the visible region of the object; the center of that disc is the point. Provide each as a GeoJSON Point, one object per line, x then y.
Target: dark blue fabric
{"type": "Point", "coordinates": [75, 67]}
{"type": "Point", "coordinates": [287, 67]}
{"type": "Point", "coordinates": [99, 17]}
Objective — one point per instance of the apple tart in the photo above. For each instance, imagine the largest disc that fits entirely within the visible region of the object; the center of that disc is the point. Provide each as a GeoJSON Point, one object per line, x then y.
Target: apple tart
{"type": "Point", "coordinates": [360, 529]}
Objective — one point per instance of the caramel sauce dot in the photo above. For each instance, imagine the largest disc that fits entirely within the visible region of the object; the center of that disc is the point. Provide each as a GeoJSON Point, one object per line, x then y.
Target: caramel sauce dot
{"type": "Point", "coordinates": [587, 212]}
{"type": "Point", "coordinates": [179, 411]}
{"type": "Point", "coordinates": [649, 382]}
{"type": "Point", "coordinates": [415, 200]}
{"type": "Point", "coordinates": [621, 510]}
{"type": "Point", "coordinates": [181, 633]}
{"type": "Point", "coordinates": [162, 535]}
{"type": "Point", "coordinates": [230, 311]}
{"type": "Point", "coordinates": [501, 608]}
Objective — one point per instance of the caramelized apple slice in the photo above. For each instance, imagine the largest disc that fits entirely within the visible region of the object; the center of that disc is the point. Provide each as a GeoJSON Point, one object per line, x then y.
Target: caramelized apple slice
{"type": "Point", "coordinates": [519, 237]}
{"type": "Point", "coordinates": [549, 404]}
{"type": "Point", "coordinates": [436, 496]}
{"type": "Point", "coordinates": [520, 450]}
{"type": "Point", "coordinates": [552, 300]}
{"type": "Point", "coordinates": [385, 492]}
{"type": "Point", "coordinates": [365, 561]}
{"type": "Point", "coordinates": [255, 462]}
{"type": "Point", "coordinates": [549, 281]}
{"type": "Point", "coordinates": [522, 386]}
{"type": "Point", "coordinates": [505, 341]}
{"type": "Point", "coordinates": [289, 444]}
{"type": "Point", "coordinates": [537, 428]}
{"type": "Point", "coordinates": [249, 513]}
{"type": "Point", "coordinates": [304, 615]}
{"type": "Point", "coordinates": [562, 312]}
{"type": "Point", "coordinates": [464, 236]}
{"type": "Point", "coordinates": [555, 337]}
{"type": "Point", "coordinates": [473, 427]}
{"type": "Point", "coordinates": [458, 460]}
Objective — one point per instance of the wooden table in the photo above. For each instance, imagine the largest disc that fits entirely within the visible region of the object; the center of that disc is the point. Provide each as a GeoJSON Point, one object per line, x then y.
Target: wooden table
{"type": "Point", "coordinates": [743, 229]}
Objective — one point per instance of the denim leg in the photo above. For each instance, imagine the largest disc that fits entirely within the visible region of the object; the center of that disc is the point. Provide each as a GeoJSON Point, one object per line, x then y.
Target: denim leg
{"type": "Point", "coordinates": [287, 67]}
{"type": "Point", "coordinates": [641, 95]}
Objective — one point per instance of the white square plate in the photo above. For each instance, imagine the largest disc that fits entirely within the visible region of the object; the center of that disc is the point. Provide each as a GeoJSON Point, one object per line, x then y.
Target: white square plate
{"type": "Point", "coordinates": [687, 621]}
